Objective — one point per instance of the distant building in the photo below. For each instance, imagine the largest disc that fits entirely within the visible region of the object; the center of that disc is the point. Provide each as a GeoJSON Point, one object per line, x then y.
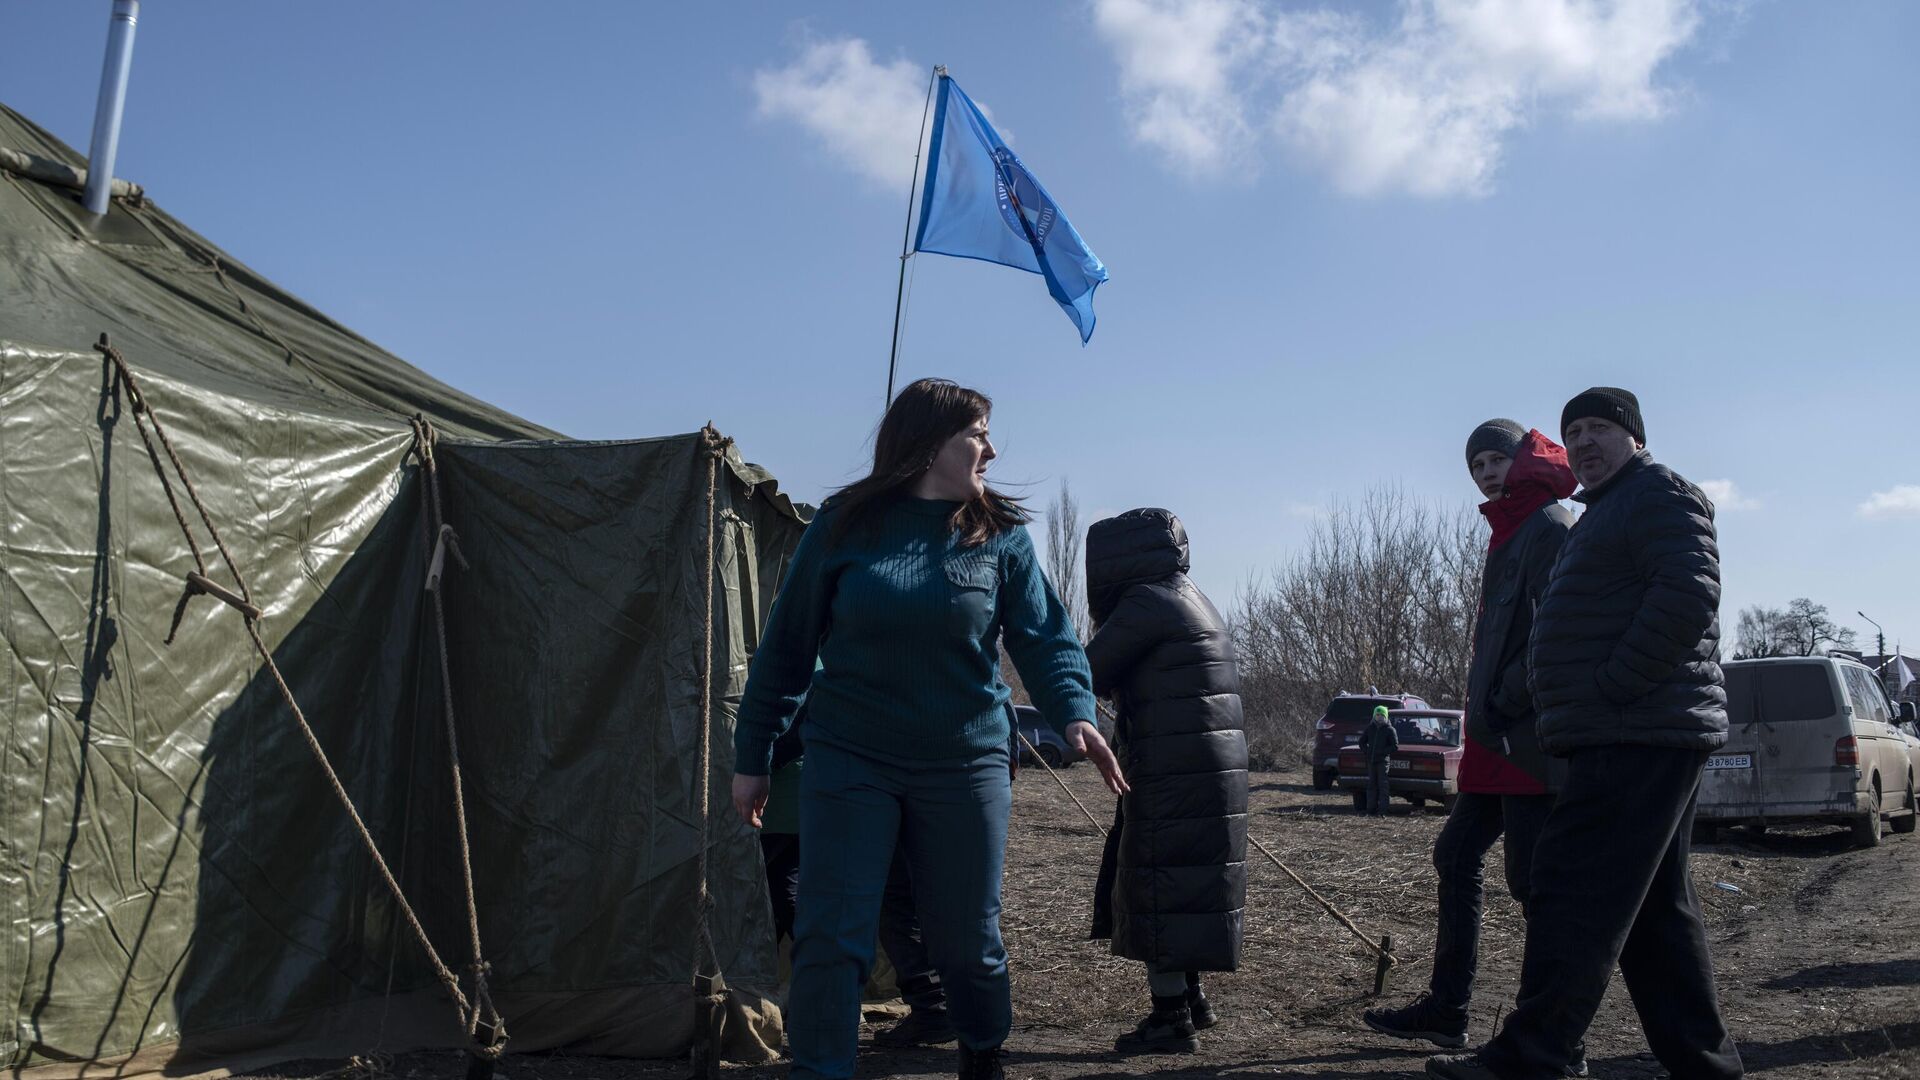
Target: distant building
{"type": "Point", "coordinates": [1899, 672]}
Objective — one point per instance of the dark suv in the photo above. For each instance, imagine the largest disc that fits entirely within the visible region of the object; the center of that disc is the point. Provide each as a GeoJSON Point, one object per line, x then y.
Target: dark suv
{"type": "Point", "coordinates": [1340, 726]}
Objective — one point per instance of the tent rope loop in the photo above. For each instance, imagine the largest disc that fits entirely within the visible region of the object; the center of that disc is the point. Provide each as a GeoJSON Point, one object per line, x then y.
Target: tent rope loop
{"type": "Point", "coordinates": [241, 600]}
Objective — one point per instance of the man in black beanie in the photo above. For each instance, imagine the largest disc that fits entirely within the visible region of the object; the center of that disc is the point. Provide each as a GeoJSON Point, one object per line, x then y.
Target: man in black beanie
{"type": "Point", "coordinates": [1622, 658]}
{"type": "Point", "coordinates": [1603, 431]}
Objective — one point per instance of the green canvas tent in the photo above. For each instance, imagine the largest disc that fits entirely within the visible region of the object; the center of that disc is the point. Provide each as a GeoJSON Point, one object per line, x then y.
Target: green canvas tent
{"type": "Point", "coordinates": [182, 891]}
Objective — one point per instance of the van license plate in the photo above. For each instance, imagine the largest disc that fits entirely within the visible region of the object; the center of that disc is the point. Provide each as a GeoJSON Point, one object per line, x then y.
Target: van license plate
{"type": "Point", "coordinates": [1730, 761]}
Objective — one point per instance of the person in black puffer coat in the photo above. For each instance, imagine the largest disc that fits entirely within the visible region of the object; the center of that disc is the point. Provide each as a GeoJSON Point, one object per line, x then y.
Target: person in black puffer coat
{"type": "Point", "coordinates": [1173, 879]}
{"type": "Point", "coordinates": [1623, 663]}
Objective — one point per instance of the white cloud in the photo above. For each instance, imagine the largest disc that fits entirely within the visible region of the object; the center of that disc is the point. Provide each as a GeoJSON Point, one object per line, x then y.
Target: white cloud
{"type": "Point", "coordinates": [1179, 60]}
{"type": "Point", "coordinates": [1422, 105]}
{"type": "Point", "coordinates": [864, 113]}
{"type": "Point", "coordinates": [1902, 500]}
{"type": "Point", "coordinates": [1726, 496]}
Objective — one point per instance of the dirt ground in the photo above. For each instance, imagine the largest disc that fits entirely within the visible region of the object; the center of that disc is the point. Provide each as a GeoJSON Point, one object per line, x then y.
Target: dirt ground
{"type": "Point", "coordinates": [1816, 945]}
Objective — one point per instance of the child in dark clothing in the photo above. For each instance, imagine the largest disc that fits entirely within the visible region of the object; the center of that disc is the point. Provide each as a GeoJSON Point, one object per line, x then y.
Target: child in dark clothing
{"type": "Point", "coordinates": [1378, 742]}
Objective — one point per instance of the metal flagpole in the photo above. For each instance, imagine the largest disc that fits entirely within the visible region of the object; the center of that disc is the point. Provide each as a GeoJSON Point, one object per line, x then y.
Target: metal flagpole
{"type": "Point", "coordinates": [906, 237]}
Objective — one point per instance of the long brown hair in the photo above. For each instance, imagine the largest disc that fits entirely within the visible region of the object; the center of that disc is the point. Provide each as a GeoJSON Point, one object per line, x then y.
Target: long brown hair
{"type": "Point", "coordinates": [918, 423]}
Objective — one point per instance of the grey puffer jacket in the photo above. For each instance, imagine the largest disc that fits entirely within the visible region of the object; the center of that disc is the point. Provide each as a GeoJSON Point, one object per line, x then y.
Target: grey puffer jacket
{"type": "Point", "coordinates": [1173, 878]}
{"type": "Point", "coordinates": [1626, 642]}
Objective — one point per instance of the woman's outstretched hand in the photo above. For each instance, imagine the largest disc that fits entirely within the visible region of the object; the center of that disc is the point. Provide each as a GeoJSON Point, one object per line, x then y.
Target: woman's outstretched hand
{"type": "Point", "coordinates": [1086, 739]}
{"type": "Point", "coordinates": [750, 796]}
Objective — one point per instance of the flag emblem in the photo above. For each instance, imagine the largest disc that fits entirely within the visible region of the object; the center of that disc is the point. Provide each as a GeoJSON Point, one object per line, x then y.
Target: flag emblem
{"type": "Point", "coordinates": [1026, 208]}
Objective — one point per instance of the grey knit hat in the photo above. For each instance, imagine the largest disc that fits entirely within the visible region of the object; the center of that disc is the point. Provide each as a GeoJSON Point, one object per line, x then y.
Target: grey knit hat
{"type": "Point", "coordinates": [1503, 435]}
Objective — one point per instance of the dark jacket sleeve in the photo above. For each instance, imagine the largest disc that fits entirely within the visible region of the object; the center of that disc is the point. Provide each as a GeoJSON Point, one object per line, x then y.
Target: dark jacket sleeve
{"type": "Point", "coordinates": [1040, 638]}
{"type": "Point", "coordinates": [1511, 697]}
{"type": "Point", "coordinates": [790, 746]}
{"type": "Point", "coordinates": [1675, 551]}
{"type": "Point", "coordinates": [1122, 641]}
{"type": "Point", "coordinates": [781, 671]}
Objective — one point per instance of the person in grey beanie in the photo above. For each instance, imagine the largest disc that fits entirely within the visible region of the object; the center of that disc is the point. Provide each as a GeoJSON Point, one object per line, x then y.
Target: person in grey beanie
{"type": "Point", "coordinates": [1506, 782]}
{"type": "Point", "coordinates": [1623, 665]}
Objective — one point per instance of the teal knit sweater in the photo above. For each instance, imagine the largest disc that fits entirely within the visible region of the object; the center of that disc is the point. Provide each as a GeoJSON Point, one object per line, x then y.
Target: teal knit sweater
{"type": "Point", "coordinates": [907, 626]}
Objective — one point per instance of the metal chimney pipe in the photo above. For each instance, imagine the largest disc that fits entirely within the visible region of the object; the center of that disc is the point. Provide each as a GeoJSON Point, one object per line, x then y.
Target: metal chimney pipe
{"type": "Point", "coordinates": [111, 106]}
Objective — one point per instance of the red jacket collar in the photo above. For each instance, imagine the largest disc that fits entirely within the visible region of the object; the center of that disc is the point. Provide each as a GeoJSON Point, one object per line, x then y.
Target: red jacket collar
{"type": "Point", "coordinates": [1539, 476]}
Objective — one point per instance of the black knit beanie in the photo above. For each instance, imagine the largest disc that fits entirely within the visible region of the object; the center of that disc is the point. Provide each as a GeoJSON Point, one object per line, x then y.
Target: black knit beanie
{"type": "Point", "coordinates": [1609, 403]}
{"type": "Point", "coordinates": [1503, 435]}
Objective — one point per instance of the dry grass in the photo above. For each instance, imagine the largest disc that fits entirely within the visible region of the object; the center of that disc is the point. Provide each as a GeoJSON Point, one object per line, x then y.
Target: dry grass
{"type": "Point", "coordinates": [1809, 954]}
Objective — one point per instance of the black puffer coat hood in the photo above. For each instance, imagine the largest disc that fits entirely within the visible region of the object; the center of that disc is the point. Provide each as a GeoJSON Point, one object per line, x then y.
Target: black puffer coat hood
{"type": "Point", "coordinates": [1137, 547]}
{"type": "Point", "coordinates": [1173, 879]}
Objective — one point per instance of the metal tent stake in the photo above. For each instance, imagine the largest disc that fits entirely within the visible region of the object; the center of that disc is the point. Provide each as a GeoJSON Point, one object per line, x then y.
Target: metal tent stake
{"type": "Point", "coordinates": [1382, 964]}
{"type": "Point", "coordinates": [480, 1065]}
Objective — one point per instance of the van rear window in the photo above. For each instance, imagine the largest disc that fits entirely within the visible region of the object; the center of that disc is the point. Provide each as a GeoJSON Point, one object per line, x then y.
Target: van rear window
{"type": "Point", "coordinates": [1357, 710]}
{"type": "Point", "coordinates": [1779, 693]}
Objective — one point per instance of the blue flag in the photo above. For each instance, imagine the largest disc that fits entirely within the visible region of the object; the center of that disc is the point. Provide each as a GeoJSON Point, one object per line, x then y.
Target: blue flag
{"type": "Point", "coordinates": [980, 202]}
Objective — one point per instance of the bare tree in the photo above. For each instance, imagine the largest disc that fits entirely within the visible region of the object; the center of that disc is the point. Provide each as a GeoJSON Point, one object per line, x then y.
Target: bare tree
{"type": "Point", "coordinates": [1382, 596]}
{"type": "Point", "coordinates": [1063, 556]}
{"type": "Point", "coordinates": [1761, 633]}
{"type": "Point", "coordinates": [1802, 628]}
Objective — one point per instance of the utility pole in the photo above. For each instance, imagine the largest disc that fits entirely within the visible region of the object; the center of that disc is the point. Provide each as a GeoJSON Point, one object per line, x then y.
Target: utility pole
{"type": "Point", "coordinates": [1880, 636]}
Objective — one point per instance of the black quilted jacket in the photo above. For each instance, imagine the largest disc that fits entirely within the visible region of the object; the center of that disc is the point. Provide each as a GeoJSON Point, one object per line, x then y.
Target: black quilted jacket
{"type": "Point", "coordinates": [1626, 641]}
{"type": "Point", "coordinates": [1173, 881]}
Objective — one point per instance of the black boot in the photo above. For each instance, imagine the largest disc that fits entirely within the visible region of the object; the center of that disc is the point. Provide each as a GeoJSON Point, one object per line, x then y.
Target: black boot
{"type": "Point", "coordinates": [1423, 1019]}
{"type": "Point", "coordinates": [930, 1026]}
{"type": "Point", "coordinates": [1168, 1029]}
{"type": "Point", "coordinates": [1579, 1066]}
{"type": "Point", "coordinates": [988, 1064]}
{"type": "Point", "coordinates": [1199, 1009]}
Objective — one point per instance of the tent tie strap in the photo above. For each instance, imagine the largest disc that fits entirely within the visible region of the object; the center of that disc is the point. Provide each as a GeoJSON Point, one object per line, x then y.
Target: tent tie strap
{"type": "Point", "coordinates": [241, 599]}
{"type": "Point", "coordinates": [448, 542]}
{"type": "Point", "coordinates": [200, 584]}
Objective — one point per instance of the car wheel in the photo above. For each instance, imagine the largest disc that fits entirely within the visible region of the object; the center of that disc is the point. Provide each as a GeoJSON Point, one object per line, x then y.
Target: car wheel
{"type": "Point", "coordinates": [1359, 800]}
{"type": "Point", "coordinates": [1759, 829]}
{"type": "Point", "coordinates": [1906, 823]}
{"type": "Point", "coordinates": [1322, 780]}
{"type": "Point", "coordinates": [1050, 754]}
{"type": "Point", "coordinates": [1866, 828]}
{"type": "Point", "coordinates": [1705, 832]}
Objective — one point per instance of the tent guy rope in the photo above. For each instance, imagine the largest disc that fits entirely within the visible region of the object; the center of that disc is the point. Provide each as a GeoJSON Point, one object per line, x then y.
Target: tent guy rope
{"type": "Point", "coordinates": [709, 990]}
{"type": "Point", "coordinates": [1382, 949]}
{"type": "Point", "coordinates": [483, 1013]}
{"type": "Point", "coordinates": [199, 583]}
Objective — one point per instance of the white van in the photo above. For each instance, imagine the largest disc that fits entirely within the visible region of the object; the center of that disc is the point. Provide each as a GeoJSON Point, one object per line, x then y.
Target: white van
{"type": "Point", "coordinates": [1810, 739]}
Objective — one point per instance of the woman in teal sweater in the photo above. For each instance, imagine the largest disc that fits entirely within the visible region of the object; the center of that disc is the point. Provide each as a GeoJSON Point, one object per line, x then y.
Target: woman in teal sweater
{"type": "Point", "coordinates": [904, 587]}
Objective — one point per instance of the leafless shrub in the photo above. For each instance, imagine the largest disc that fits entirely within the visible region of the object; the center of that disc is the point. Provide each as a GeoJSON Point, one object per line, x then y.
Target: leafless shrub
{"type": "Point", "coordinates": [1383, 595]}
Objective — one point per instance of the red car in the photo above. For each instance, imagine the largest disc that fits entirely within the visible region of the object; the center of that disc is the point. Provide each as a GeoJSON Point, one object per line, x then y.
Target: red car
{"type": "Point", "coordinates": [1427, 765]}
{"type": "Point", "coordinates": [1340, 726]}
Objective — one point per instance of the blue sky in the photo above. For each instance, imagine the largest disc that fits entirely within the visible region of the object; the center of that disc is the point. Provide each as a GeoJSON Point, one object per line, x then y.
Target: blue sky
{"type": "Point", "coordinates": [1339, 236]}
